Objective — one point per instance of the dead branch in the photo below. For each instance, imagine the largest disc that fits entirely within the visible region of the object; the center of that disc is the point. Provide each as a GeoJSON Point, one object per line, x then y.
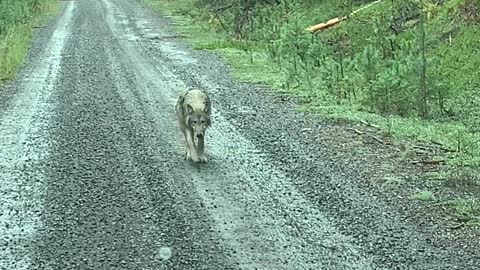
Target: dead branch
{"type": "Point", "coordinates": [332, 22]}
{"type": "Point", "coordinates": [222, 8]}
{"type": "Point", "coordinates": [368, 124]}
{"type": "Point", "coordinates": [356, 131]}
{"type": "Point", "coordinates": [437, 143]}
{"type": "Point", "coordinates": [429, 162]}
{"type": "Point", "coordinates": [420, 152]}
{"type": "Point", "coordinates": [443, 148]}
{"type": "Point", "coordinates": [377, 139]}
{"type": "Point", "coordinates": [456, 226]}
{"type": "Point", "coordinates": [422, 149]}
{"type": "Point", "coordinates": [328, 24]}
{"type": "Point", "coordinates": [221, 22]}
{"type": "Point", "coordinates": [447, 150]}
{"type": "Point", "coordinates": [306, 129]}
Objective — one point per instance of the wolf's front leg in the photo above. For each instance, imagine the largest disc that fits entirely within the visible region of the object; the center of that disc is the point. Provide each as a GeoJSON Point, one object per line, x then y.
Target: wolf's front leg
{"type": "Point", "coordinates": [187, 148]}
{"type": "Point", "coordinates": [191, 146]}
{"type": "Point", "coordinates": [201, 150]}
{"type": "Point", "coordinates": [187, 154]}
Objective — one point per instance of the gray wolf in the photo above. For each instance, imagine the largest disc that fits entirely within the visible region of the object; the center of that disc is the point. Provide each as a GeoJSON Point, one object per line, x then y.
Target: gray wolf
{"type": "Point", "coordinates": [193, 111]}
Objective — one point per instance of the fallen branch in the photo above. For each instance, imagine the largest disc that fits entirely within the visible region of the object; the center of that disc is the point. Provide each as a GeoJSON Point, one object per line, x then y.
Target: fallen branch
{"type": "Point", "coordinates": [368, 124]}
{"type": "Point", "coordinates": [437, 143]}
{"type": "Point", "coordinates": [447, 150]}
{"type": "Point", "coordinates": [422, 148]}
{"type": "Point", "coordinates": [332, 22]}
{"type": "Point", "coordinates": [356, 131]}
{"type": "Point", "coordinates": [422, 153]}
{"type": "Point", "coordinates": [306, 129]}
{"type": "Point", "coordinates": [377, 139]}
{"type": "Point", "coordinates": [328, 24]}
{"type": "Point", "coordinates": [456, 226]}
{"type": "Point", "coordinates": [221, 22]}
{"type": "Point", "coordinates": [443, 148]}
{"type": "Point", "coordinates": [364, 7]}
{"type": "Point", "coordinates": [430, 162]}
{"type": "Point", "coordinates": [222, 8]}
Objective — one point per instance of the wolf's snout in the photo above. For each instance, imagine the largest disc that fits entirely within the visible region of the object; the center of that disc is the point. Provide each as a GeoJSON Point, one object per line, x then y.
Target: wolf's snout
{"type": "Point", "coordinates": [199, 135]}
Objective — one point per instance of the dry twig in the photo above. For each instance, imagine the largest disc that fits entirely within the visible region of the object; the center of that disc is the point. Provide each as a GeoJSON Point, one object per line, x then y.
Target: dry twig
{"type": "Point", "coordinates": [430, 162]}
{"type": "Point", "coordinates": [356, 131]}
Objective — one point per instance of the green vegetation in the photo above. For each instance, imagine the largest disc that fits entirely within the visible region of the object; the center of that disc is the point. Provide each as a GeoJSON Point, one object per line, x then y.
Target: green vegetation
{"type": "Point", "coordinates": [17, 18]}
{"type": "Point", "coordinates": [424, 196]}
{"type": "Point", "coordinates": [467, 210]}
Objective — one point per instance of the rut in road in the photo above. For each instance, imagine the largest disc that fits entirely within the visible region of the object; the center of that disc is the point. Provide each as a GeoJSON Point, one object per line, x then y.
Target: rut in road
{"type": "Point", "coordinates": [91, 147]}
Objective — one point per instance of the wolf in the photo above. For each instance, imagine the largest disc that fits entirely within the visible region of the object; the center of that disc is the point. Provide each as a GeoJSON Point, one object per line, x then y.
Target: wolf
{"type": "Point", "coordinates": [193, 109]}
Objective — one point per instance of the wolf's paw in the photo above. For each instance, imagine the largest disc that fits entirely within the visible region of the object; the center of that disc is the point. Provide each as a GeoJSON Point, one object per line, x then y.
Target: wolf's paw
{"type": "Point", "coordinates": [203, 159]}
{"type": "Point", "coordinates": [195, 160]}
{"type": "Point", "coordinates": [188, 156]}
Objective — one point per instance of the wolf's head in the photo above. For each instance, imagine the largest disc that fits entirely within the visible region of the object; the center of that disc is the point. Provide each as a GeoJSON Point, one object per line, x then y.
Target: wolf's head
{"type": "Point", "coordinates": [199, 121]}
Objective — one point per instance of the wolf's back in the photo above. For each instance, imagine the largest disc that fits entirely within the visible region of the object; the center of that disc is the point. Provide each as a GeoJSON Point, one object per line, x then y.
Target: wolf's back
{"type": "Point", "coordinates": [197, 99]}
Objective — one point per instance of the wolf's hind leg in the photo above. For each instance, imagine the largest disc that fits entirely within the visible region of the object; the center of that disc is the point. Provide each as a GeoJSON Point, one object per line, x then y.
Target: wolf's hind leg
{"type": "Point", "coordinates": [185, 143]}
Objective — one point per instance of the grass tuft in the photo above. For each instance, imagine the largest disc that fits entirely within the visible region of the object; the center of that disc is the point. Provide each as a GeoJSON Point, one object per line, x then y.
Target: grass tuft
{"type": "Point", "coordinates": [424, 195]}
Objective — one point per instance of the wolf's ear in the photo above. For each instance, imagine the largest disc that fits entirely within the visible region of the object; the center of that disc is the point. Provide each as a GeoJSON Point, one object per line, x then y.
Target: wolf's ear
{"type": "Point", "coordinates": [207, 103]}
{"type": "Point", "coordinates": [189, 109]}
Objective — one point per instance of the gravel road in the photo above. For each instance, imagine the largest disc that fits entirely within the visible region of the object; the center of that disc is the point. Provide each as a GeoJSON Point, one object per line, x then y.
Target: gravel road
{"type": "Point", "coordinates": [93, 177]}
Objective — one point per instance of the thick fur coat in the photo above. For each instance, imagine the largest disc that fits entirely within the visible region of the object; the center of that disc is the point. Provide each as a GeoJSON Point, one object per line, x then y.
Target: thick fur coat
{"type": "Point", "coordinates": [193, 111]}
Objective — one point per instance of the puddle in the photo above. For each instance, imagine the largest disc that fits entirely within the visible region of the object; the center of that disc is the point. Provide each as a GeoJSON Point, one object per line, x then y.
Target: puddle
{"type": "Point", "coordinates": [173, 52]}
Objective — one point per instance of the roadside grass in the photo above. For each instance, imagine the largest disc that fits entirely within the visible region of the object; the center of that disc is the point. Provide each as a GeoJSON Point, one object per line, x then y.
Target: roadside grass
{"type": "Point", "coordinates": [467, 210]}
{"type": "Point", "coordinates": [13, 48]}
{"type": "Point", "coordinates": [424, 195]}
{"type": "Point", "coordinates": [251, 63]}
{"type": "Point", "coordinates": [15, 43]}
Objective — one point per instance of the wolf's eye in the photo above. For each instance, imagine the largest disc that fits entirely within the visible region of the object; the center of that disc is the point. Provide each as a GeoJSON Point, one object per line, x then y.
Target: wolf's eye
{"type": "Point", "coordinates": [195, 121]}
{"type": "Point", "coordinates": [203, 121]}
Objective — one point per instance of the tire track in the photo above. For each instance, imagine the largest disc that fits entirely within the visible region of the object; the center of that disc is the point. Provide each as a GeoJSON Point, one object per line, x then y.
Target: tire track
{"type": "Point", "coordinates": [24, 146]}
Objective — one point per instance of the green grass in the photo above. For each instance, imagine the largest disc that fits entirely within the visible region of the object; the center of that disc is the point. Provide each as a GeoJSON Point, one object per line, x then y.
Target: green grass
{"type": "Point", "coordinates": [452, 134]}
{"type": "Point", "coordinates": [424, 195]}
{"type": "Point", "coordinates": [15, 43]}
{"type": "Point", "coordinates": [467, 210]}
{"type": "Point", "coordinates": [12, 50]}
{"type": "Point", "coordinates": [461, 53]}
